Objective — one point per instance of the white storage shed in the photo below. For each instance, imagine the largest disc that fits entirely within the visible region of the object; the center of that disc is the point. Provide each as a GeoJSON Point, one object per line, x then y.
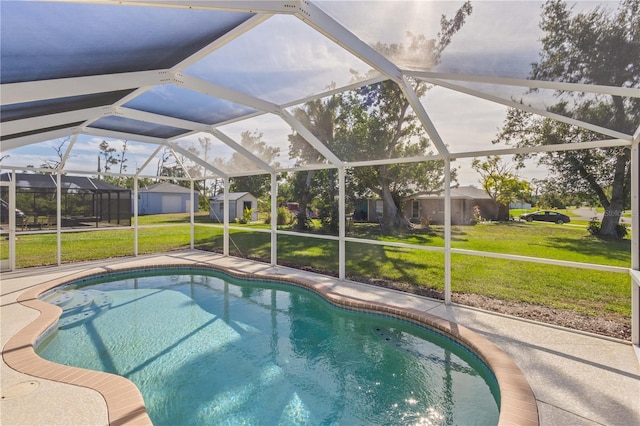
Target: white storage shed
{"type": "Point", "coordinates": [238, 203]}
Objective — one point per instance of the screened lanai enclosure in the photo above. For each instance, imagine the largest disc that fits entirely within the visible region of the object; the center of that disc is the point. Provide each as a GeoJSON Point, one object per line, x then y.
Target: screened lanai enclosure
{"type": "Point", "coordinates": [83, 201]}
{"type": "Point", "coordinates": [328, 106]}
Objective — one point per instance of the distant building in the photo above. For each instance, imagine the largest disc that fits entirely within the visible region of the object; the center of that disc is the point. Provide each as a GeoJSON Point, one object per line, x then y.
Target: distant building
{"type": "Point", "coordinates": [463, 201]}
{"type": "Point", "coordinates": [367, 210]}
{"type": "Point", "coordinates": [84, 201]}
{"type": "Point", "coordinates": [238, 203]}
{"type": "Point", "coordinates": [165, 197]}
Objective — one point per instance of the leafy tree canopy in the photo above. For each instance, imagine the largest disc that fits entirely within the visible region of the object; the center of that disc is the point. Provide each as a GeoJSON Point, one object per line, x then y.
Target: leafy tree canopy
{"type": "Point", "coordinates": [595, 47]}
{"type": "Point", "coordinates": [500, 182]}
{"type": "Point", "coordinates": [377, 122]}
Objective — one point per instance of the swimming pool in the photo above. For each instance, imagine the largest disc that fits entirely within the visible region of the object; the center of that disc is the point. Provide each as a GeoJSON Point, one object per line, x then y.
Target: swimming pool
{"type": "Point", "coordinates": [229, 351]}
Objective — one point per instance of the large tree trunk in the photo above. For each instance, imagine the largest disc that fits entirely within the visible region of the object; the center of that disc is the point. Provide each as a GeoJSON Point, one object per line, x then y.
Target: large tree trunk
{"type": "Point", "coordinates": [613, 210]}
{"type": "Point", "coordinates": [301, 224]}
{"type": "Point", "coordinates": [392, 216]}
{"type": "Point", "coordinates": [619, 187]}
{"type": "Point", "coordinates": [610, 221]}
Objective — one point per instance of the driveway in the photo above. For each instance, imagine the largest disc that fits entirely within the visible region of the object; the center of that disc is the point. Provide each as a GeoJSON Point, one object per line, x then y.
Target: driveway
{"type": "Point", "coordinates": [588, 213]}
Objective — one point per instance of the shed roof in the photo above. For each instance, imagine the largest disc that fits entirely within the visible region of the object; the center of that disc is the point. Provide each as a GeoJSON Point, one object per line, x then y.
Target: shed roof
{"type": "Point", "coordinates": [165, 187]}
{"type": "Point", "coordinates": [233, 196]}
{"type": "Point", "coordinates": [48, 182]}
{"type": "Point", "coordinates": [460, 192]}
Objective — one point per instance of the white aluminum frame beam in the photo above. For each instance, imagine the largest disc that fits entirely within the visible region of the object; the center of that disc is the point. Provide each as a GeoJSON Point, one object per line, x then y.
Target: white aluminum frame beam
{"type": "Point", "coordinates": [306, 167]}
{"type": "Point", "coordinates": [202, 86]}
{"type": "Point", "coordinates": [21, 141]}
{"type": "Point", "coordinates": [148, 160]}
{"type": "Point", "coordinates": [342, 219]}
{"type": "Point", "coordinates": [310, 138]}
{"type": "Point", "coordinates": [400, 160]}
{"type": "Point", "coordinates": [274, 219]}
{"type": "Point", "coordinates": [249, 6]}
{"type": "Point", "coordinates": [527, 108]}
{"type": "Point", "coordinates": [112, 134]}
{"type": "Point", "coordinates": [316, 18]}
{"type": "Point", "coordinates": [533, 84]}
{"type": "Point", "coordinates": [242, 150]}
{"type": "Point", "coordinates": [358, 84]}
{"type": "Point", "coordinates": [194, 126]}
{"type": "Point", "coordinates": [418, 108]}
{"type": "Point", "coordinates": [605, 143]}
{"type": "Point", "coordinates": [223, 40]}
{"type": "Point", "coordinates": [52, 120]}
{"type": "Point", "coordinates": [199, 161]}
{"type": "Point", "coordinates": [162, 120]}
{"type": "Point", "coordinates": [635, 240]}
{"type": "Point", "coordinates": [66, 155]}
{"type": "Point", "coordinates": [323, 23]}
{"type": "Point", "coordinates": [447, 231]}
{"type": "Point", "coordinates": [14, 93]}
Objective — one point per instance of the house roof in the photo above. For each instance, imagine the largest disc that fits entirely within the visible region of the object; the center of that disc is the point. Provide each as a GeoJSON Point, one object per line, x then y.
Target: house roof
{"type": "Point", "coordinates": [48, 182]}
{"type": "Point", "coordinates": [233, 196]}
{"type": "Point", "coordinates": [460, 192]}
{"type": "Point", "coordinates": [165, 187]}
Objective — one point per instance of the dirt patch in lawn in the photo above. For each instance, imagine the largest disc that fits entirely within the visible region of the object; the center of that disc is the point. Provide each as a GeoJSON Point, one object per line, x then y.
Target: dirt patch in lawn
{"type": "Point", "coordinates": [603, 325]}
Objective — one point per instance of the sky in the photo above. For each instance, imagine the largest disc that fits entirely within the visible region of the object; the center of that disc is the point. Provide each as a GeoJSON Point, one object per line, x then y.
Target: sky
{"type": "Point", "coordinates": [282, 59]}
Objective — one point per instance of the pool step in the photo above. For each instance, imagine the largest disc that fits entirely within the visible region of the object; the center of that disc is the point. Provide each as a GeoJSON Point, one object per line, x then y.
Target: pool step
{"type": "Point", "coordinates": [79, 305]}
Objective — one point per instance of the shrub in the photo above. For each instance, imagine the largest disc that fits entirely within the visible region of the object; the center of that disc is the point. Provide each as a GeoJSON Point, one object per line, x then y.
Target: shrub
{"type": "Point", "coordinates": [303, 221]}
{"type": "Point", "coordinates": [595, 225]}
{"type": "Point", "coordinates": [285, 217]}
{"type": "Point", "coordinates": [246, 216]}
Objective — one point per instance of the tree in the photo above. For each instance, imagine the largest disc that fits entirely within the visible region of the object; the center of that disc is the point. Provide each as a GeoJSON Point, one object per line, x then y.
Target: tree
{"type": "Point", "coordinates": [60, 150]}
{"type": "Point", "coordinates": [107, 155]}
{"type": "Point", "coordinates": [319, 116]}
{"type": "Point", "coordinates": [165, 155]}
{"type": "Point", "coordinates": [111, 157]}
{"type": "Point", "coordinates": [500, 182]}
{"type": "Point", "coordinates": [597, 47]}
{"type": "Point", "coordinates": [258, 185]}
{"type": "Point", "coordinates": [120, 158]}
{"type": "Point", "coordinates": [378, 122]}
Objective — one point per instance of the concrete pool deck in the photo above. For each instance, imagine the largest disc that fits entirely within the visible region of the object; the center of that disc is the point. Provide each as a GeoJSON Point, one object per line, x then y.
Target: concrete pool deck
{"type": "Point", "coordinates": [576, 378]}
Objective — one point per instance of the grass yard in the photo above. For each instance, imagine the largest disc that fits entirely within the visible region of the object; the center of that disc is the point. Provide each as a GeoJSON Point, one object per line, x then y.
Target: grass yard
{"type": "Point", "coordinates": [534, 239]}
{"type": "Point", "coordinates": [584, 291]}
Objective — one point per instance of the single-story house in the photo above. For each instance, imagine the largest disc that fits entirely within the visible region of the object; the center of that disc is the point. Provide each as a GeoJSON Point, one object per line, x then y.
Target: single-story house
{"type": "Point", "coordinates": [367, 210]}
{"type": "Point", "coordinates": [464, 200]}
{"type": "Point", "coordinates": [165, 197]}
{"type": "Point", "coordinates": [238, 203]}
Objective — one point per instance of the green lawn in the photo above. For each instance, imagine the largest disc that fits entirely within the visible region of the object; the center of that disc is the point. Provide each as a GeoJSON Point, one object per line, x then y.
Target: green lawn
{"type": "Point", "coordinates": [581, 290]}
{"type": "Point", "coordinates": [534, 239]}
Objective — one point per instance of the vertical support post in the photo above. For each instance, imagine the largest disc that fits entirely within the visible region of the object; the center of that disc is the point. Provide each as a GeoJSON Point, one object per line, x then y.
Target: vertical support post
{"type": "Point", "coordinates": [191, 215]}
{"type": "Point", "coordinates": [135, 215]}
{"type": "Point", "coordinates": [635, 241]}
{"type": "Point", "coordinates": [447, 231]}
{"type": "Point", "coordinates": [342, 224]}
{"type": "Point", "coordinates": [225, 215]}
{"type": "Point", "coordinates": [59, 217]}
{"type": "Point", "coordinates": [274, 219]}
{"type": "Point", "coordinates": [12, 221]}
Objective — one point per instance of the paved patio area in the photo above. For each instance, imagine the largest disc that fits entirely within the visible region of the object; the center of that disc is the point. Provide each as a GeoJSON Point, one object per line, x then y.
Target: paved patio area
{"type": "Point", "coordinates": [577, 379]}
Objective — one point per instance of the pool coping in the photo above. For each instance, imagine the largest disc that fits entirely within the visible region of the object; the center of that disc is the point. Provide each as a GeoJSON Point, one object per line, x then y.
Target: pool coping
{"type": "Point", "coordinates": [124, 401]}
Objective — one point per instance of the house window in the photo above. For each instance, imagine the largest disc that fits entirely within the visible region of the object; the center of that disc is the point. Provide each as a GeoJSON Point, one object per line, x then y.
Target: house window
{"type": "Point", "coordinates": [246, 205]}
{"type": "Point", "coordinates": [415, 209]}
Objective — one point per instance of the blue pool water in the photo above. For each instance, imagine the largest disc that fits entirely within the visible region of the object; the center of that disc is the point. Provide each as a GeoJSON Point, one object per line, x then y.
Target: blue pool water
{"type": "Point", "coordinates": [209, 349]}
